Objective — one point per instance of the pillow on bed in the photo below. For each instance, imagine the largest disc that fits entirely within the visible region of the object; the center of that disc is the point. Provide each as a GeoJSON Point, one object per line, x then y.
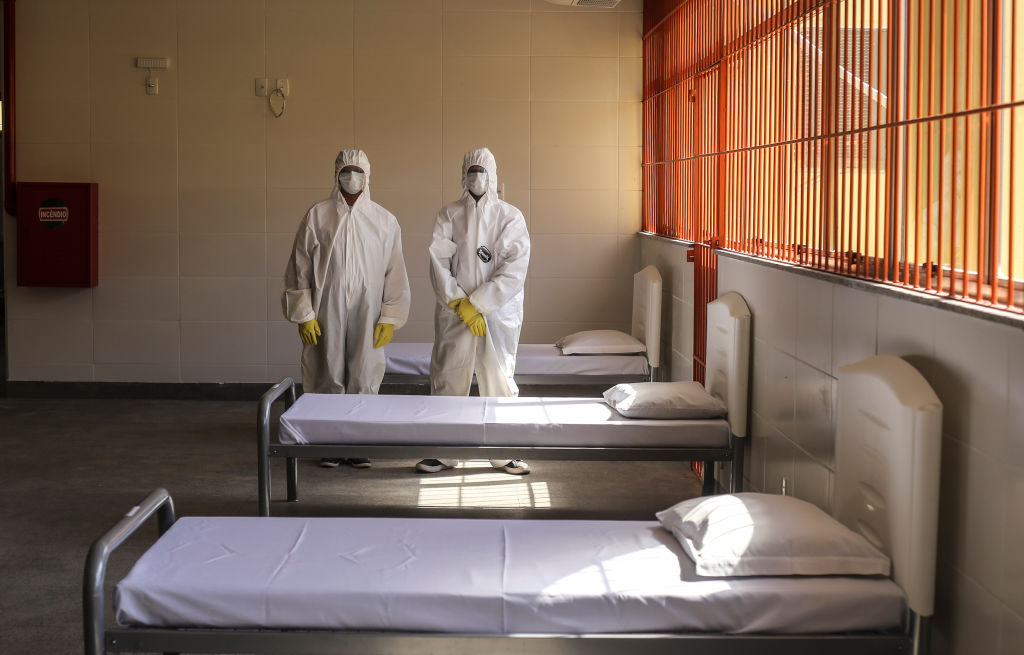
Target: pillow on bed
{"type": "Point", "coordinates": [600, 342]}
{"type": "Point", "coordinates": [767, 534]}
{"type": "Point", "coordinates": [664, 400]}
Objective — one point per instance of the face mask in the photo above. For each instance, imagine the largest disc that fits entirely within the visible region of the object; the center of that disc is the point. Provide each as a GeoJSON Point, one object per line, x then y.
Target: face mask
{"type": "Point", "coordinates": [351, 182]}
{"type": "Point", "coordinates": [476, 183]}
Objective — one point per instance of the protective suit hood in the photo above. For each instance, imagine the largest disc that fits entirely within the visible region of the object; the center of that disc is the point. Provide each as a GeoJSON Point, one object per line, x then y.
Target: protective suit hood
{"type": "Point", "coordinates": [352, 158]}
{"type": "Point", "coordinates": [482, 157]}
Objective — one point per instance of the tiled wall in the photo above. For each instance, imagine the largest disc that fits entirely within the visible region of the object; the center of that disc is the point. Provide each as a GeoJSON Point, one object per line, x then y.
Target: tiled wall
{"type": "Point", "coordinates": [804, 330]}
{"type": "Point", "coordinates": [201, 189]}
{"type": "Point", "coordinates": [669, 257]}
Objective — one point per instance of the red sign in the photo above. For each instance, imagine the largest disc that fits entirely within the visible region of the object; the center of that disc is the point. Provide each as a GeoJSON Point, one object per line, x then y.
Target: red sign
{"type": "Point", "coordinates": [53, 213]}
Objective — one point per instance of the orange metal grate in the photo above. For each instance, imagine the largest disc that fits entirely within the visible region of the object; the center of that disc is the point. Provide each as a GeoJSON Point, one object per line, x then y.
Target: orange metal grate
{"type": "Point", "coordinates": [870, 138]}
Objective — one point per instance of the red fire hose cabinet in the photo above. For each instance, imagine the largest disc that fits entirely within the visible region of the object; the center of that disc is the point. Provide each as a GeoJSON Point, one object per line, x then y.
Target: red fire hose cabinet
{"type": "Point", "coordinates": [58, 234]}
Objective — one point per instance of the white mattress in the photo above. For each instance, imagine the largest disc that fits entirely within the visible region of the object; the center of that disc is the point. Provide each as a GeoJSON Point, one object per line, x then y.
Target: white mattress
{"type": "Point", "coordinates": [477, 421]}
{"type": "Point", "coordinates": [531, 359]}
{"type": "Point", "coordinates": [501, 577]}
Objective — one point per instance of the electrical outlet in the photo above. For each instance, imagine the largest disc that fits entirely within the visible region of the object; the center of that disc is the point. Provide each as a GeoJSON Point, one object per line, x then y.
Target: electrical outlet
{"type": "Point", "coordinates": [284, 86]}
{"type": "Point", "coordinates": [262, 87]}
{"type": "Point", "coordinates": [152, 85]}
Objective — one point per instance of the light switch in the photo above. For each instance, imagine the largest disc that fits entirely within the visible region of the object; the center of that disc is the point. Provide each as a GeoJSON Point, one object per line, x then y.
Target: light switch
{"type": "Point", "coordinates": [262, 87]}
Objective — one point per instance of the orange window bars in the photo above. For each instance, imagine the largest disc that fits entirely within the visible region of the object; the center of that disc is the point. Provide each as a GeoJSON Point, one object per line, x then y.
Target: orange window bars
{"type": "Point", "coordinates": [882, 139]}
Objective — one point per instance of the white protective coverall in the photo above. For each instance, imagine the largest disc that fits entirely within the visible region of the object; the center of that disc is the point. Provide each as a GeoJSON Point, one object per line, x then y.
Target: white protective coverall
{"type": "Point", "coordinates": [480, 250]}
{"type": "Point", "coordinates": [347, 271]}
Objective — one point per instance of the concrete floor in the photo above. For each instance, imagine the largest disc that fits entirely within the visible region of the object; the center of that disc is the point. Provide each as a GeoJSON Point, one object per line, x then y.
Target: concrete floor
{"type": "Point", "coordinates": [71, 468]}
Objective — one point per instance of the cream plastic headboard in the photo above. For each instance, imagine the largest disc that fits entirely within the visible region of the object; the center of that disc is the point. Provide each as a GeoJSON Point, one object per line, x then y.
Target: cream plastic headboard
{"type": "Point", "coordinates": [647, 312]}
{"type": "Point", "coordinates": [727, 365]}
{"type": "Point", "coordinates": [888, 445]}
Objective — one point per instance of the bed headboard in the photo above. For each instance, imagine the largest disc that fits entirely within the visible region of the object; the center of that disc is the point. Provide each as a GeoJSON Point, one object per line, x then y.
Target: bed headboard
{"type": "Point", "coordinates": [727, 365]}
{"type": "Point", "coordinates": [647, 312]}
{"type": "Point", "coordinates": [888, 443]}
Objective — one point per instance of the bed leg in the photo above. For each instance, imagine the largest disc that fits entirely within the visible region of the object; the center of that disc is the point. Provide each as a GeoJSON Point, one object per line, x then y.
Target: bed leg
{"type": "Point", "coordinates": [736, 479]}
{"type": "Point", "coordinates": [921, 633]}
{"type": "Point", "coordinates": [708, 488]}
{"type": "Point", "coordinates": [291, 465]}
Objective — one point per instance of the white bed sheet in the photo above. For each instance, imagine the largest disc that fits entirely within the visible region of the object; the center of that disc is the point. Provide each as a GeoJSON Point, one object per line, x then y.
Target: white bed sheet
{"type": "Point", "coordinates": [477, 421]}
{"type": "Point", "coordinates": [531, 359]}
{"type": "Point", "coordinates": [503, 577]}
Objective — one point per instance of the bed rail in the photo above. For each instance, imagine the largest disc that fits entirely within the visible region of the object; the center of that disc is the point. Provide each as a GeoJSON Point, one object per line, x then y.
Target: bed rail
{"type": "Point", "coordinates": [286, 388]}
{"type": "Point", "coordinates": [158, 502]}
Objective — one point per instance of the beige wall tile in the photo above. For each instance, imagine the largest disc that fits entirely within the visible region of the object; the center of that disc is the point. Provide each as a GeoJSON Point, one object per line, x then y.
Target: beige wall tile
{"type": "Point", "coordinates": [120, 31]}
{"type": "Point", "coordinates": [396, 76]}
{"type": "Point", "coordinates": [226, 373]}
{"type": "Point", "coordinates": [286, 207]}
{"type": "Point", "coordinates": [503, 127]}
{"type": "Point", "coordinates": [275, 287]}
{"type": "Point", "coordinates": [222, 189]}
{"type": "Point", "coordinates": [572, 211]}
{"type": "Point", "coordinates": [573, 167]}
{"type": "Point", "coordinates": [222, 343]}
{"type": "Point", "coordinates": [623, 6]}
{"type": "Point", "coordinates": [304, 34]}
{"type": "Point", "coordinates": [572, 255]}
{"type": "Point", "coordinates": [471, 78]}
{"type": "Point", "coordinates": [415, 210]}
{"type": "Point", "coordinates": [574, 123]}
{"type": "Point", "coordinates": [575, 34]}
{"type": "Point", "coordinates": [138, 372]}
{"type": "Point", "coordinates": [138, 186]}
{"type": "Point", "coordinates": [486, 33]}
{"type": "Point", "coordinates": [38, 342]}
{"type": "Point", "coordinates": [136, 298]}
{"type": "Point", "coordinates": [631, 124]}
{"type": "Point", "coordinates": [53, 162]}
{"type": "Point", "coordinates": [630, 216]}
{"type": "Point", "coordinates": [631, 37]}
{"type": "Point", "coordinates": [283, 343]}
{"type": "Point", "coordinates": [281, 371]}
{"type": "Point", "coordinates": [138, 254]}
{"type": "Point", "coordinates": [48, 303]}
{"type": "Point", "coordinates": [279, 250]}
{"type": "Point", "coordinates": [579, 299]}
{"type": "Point", "coordinates": [224, 255]}
{"type": "Point", "coordinates": [409, 29]}
{"type": "Point", "coordinates": [402, 141]}
{"type": "Point", "coordinates": [629, 169]}
{"type": "Point", "coordinates": [50, 372]}
{"type": "Point", "coordinates": [423, 300]}
{"type": "Point", "coordinates": [136, 342]}
{"type": "Point", "coordinates": [305, 165]}
{"type": "Point", "coordinates": [416, 332]}
{"type": "Point", "coordinates": [52, 71]}
{"type": "Point", "coordinates": [222, 51]}
{"type": "Point", "coordinates": [417, 259]}
{"type": "Point", "coordinates": [487, 5]}
{"type": "Point", "coordinates": [223, 299]}
{"type": "Point", "coordinates": [631, 76]}
{"type": "Point", "coordinates": [574, 78]}
{"type": "Point", "coordinates": [814, 323]}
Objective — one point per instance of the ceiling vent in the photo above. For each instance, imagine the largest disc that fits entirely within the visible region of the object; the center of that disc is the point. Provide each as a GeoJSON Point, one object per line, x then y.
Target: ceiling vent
{"type": "Point", "coordinates": [605, 4]}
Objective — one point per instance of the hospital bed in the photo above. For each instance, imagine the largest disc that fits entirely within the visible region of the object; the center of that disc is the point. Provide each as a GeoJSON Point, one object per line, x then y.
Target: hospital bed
{"type": "Point", "coordinates": [581, 429]}
{"type": "Point", "coordinates": [545, 364]}
{"type": "Point", "coordinates": [397, 585]}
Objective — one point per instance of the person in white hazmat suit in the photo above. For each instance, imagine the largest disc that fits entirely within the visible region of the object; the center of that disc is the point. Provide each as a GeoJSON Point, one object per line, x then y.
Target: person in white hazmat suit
{"type": "Point", "coordinates": [346, 287]}
{"type": "Point", "coordinates": [479, 255]}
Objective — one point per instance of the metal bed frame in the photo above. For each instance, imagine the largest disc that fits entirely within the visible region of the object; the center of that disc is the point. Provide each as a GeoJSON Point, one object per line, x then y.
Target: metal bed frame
{"type": "Point", "coordinates": [913, 638]}
{"type": "Point", "coordinates": [265, 450]}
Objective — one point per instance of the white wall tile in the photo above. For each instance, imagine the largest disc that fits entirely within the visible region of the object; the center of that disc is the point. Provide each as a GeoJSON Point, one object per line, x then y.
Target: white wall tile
{"type": "Point", "coordinates": [967, 618]}
{"type": "Point", "coordinates": [136, 342]}
{"type": "Point", "coordinates": [812, 424]}
{"type": "Point", "coordinates": [1011, 634]}
{"type": "Point", "coordinates": [286, 207]}
{"type": "Point", "coordinates": [50, 372]}
{"type": "Point", "coordinates": [49, 303]}
{"type": "Point", "coordinates": [570, 211]}
{"type": "Point", "coordinates": [774, 386]}
{"type": "Point", "coordinates": [298, 164]}
{"type": "Point", "coordinates": [812, 481]}
{"type": "Point", "coordinates": [971, 376]}
{"type": "Point", "coordinates": [682, 327]}
{"type": "Point", "coordinates": [137, 186]}
{"type": "Point", "coordinates": [226, 373]}
{"type": "Point", "coordinates": [854, 326]}
{"type": "Point", "coordinates": [558, 299]}
{"type": "Point", "coordinates": [283, 343]}
{"type": "Point", "coordinates": [779, 463]}
{"type": "Point", "coordinates": [138, 254]}
{"type": "Point", "coordinates": [760, 432]}
{"type": "Point", "coordinates": [629, 168]}
{"type": "Point", "coordinates": [814, 322]}
{"type": "Point", "coordinates": [1012, 589]}
{"type": "Point", "coordinates": [574, 123]}
{"type": "Point", "coordinates": [630, 124]}
{"type": "Point", "coordinates": [278, 372]}
{"type": "Point", "coordinates": [472, 78]}
{"type": "Point", "coordinates": [1015, 418]}
{"type": "Point", "coordinates": [223, 299]}
{"type": "Point", "coordinates": [502, 127]}
{"type": "Point", "coordinates": [46, 342]}
{"type": "Point", "coordinates": [403, 142]}
{"type": "Point", "coordinates": [487, 5]}
{"type": "Point", "coordinates": [138, 372]}
{"type": "Point", "coordinates": [680, 367]}
{"type": "Point", "coordinates": [631, 38]}
{"type": "Point", "coordinates": [205, 343]}
{"type": "Point", "coordinates": [279, 250]}
{"type": "Point", "coordinates": [631, 73]}
{"type": "Point", "coordinates": [907, 330]}
{"type": "Point", "coordinates": [224, 255]}
{"type": "Point", "coordinates": [53, 162]}
{"type": "Point", "coordinates": [572, 167]}
{"type": "Point", "coordinates": [222, 189]}
{"type": "Point", "coordinates": [136, 298]}
{"type": "Point", "coordinates": [630, 217]}
{"type": "Point", "coordinates": [416, 332]}
{"type": "Point", "coordinates": [576, 34]}
{"type": "Point", "coordinates": [573, 255]}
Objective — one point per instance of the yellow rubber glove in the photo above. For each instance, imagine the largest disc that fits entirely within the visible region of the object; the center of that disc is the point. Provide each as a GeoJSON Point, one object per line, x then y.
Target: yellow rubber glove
{"type": "Point", "coordinates": [477, 325]}
{"type": "Point", "coordinates": [309, 331]}
{"type": "Point", "coordinates": [456, 304]}
{"type": "Point", "coordinates": [382, 334]}
{"type": "Point", "coordinates": [466, 311]}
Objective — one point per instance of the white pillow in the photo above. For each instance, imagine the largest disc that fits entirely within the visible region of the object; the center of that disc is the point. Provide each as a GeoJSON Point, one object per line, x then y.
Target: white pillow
{"type": "Point", "coordinates": [664, 400]}
{"type": "Point", "coordinates": [767, 534]}
{"type": "Point", "coordinates": [600, 342]}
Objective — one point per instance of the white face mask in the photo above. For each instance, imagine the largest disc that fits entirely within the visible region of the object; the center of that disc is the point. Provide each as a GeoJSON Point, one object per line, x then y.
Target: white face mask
{"type": "Point", "coordinates": [351, 181]}
{"type": "Point", "coordinates": [476, 183]}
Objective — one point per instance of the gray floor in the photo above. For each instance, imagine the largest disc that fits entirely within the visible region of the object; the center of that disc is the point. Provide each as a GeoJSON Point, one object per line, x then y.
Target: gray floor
{"type": "Point", "coordinates": [71, 468]}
